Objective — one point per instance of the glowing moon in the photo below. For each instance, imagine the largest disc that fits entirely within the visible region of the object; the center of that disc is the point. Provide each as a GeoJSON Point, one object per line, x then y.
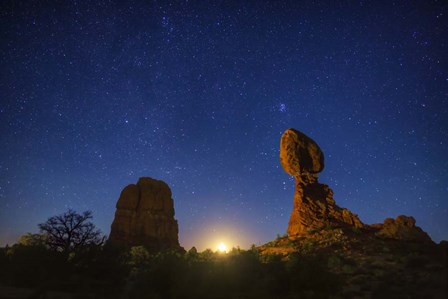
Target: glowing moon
{"type": "Point", "coordinates": [222, 247]}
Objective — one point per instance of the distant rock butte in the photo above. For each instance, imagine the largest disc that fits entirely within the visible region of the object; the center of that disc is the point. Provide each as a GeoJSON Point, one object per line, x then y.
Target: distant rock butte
{"type": "Point", "coordinates": [145, 216]}
{"type": "Point", "coordinates": [314, 207]}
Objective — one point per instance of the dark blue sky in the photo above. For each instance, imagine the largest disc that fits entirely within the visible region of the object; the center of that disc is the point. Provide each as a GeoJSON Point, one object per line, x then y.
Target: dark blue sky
{"type": "Point", "coordinates": [95, 94]}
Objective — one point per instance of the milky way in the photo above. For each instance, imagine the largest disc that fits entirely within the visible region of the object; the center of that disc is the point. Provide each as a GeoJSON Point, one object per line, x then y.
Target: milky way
{"type": "Point", "coordinates": [95, 94]}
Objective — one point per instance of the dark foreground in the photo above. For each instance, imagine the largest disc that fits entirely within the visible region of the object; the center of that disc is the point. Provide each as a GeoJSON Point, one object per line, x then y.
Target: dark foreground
{"type": "Point", "coordinates": [330, 264]}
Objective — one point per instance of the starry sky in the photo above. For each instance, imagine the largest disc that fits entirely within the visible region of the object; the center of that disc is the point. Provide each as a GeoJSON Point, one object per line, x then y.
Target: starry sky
{"type": "Point", "coordinates": [95, 94]}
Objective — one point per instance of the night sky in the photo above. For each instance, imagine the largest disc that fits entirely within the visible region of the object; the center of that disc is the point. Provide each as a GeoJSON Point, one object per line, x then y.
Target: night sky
{"type": "Point", "coordinates": [95, 94]}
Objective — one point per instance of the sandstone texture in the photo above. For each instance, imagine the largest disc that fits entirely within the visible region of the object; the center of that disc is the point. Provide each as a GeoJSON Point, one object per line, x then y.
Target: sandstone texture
{"type": "Point", "coordinates": [370, 265]}
{"type": "Point", "coordinates": [145, 216]}
{"type": "Point", "coordinates": [299, 154]}
{"type": "Point", "coordinates": [394, 259]}
{"type": "Point", "coordinates": [314, 206]}
{"type": "Point", "coordinates": [402, 228]}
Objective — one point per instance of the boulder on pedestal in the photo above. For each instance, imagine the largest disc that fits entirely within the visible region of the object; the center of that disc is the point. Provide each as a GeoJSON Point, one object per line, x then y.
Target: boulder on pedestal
{"type": "Point", "coordinates": [314, 206]}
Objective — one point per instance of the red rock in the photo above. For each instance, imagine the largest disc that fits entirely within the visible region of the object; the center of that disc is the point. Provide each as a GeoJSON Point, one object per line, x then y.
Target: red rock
{"type": "Point", "coordinates": [300, 154]}
{"type": "Point", "coordinates": [145, 216]}
{"type": "Point", "coordinates": [314, 206]}
{"type": "Point", "coordinates": [402, 228]}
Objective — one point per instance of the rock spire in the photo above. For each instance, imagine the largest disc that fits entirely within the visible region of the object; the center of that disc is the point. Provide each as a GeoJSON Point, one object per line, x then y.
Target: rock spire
{"type": "Point", "coordinates": [145, 216]}
{"type": "Point", "coordinates": [314, 206]}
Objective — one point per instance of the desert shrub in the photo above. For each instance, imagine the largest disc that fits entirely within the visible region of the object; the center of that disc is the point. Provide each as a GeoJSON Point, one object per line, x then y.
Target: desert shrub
{"type": "Point", "coordinates": [105, 272]}
{"type": "Point", "coordinates": [387, 288]}
{"type": "Point", "coordinates": [275, 275]}
{"type": "Point", "coordinates": [309, 275]}
{"type": "Point", "coordinates": [307, 247]}
{"type": "Point", "coordinates": [138, 257]}
{"type": "Point", "coordinates": [416, 261]}
{"type": "Point", "coordinates": [328, 227]}
{"type": "Point", "coordinates": [238, 274]}
{"type": "Point", "coordinates": [32, 266]}
{"type": "Point", "coordinates": [356, 230]}
{"type": "Point", "coordinates": [335, 261]}
{"type": "Point", "coordinates": [314, 231]}
{"type": "Point", "coordinates": [94, 271]}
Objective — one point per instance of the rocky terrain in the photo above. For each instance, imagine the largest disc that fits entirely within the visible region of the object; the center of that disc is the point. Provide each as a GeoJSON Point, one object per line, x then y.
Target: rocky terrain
{"type": "Point", "coordinates": [371, 266]}
{"type": "Point", "coordinates": [394, 259]}
{"type": "Point", "coordinates": [145, 216]}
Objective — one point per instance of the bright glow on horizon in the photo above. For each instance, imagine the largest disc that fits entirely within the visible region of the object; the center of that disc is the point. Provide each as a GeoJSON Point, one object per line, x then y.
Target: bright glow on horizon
{"type": "Point", "coordinates": [222, 247]}
{"type": "Point", "coordinates": [221, 231]}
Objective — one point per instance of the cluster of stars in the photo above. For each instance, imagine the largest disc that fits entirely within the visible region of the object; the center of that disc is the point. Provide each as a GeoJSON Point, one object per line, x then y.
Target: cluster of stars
{"type": "Point", "coordinates": [97, 94]}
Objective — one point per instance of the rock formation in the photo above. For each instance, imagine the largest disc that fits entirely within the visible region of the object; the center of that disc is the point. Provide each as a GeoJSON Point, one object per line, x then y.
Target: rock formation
{"type": "Point", "coordinates": [394, 259]}
{"type": "Point", "coordinates": [402, 228]}
{"type": "Point", "coordinates": [145, 216]}
{"type": "Point", "coordinates": [299, 154]}
{"type": "Point", "coordinates": [314, 206]}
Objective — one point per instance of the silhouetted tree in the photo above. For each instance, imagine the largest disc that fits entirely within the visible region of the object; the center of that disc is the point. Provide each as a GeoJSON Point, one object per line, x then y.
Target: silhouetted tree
{"type": "Point", "coordinates": [70, 232]}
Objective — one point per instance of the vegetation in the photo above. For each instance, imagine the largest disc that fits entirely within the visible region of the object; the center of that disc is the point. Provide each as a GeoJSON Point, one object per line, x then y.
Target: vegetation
{"type": "Point", "coordinates": [238, 274]}
{"type": "Point", "coordinates": [94, 270]}
{"type": "Point", "coordinates": [70, 232]}
{"type": "Point", "coordinates": [330, 264]}
{"type": "Point", "coordinates": [136, 273]}
{"type": "Point", "coordinates": [315, 268]}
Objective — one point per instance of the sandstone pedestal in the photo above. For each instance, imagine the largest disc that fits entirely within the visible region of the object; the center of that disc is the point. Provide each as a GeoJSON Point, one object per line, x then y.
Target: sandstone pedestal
{"type": "Point", "coordinates": [314, 206]}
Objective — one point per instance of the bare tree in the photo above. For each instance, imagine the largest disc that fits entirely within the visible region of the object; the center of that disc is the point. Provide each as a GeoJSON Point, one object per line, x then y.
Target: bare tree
{"type": "Point", "coordinates": [71, 231]}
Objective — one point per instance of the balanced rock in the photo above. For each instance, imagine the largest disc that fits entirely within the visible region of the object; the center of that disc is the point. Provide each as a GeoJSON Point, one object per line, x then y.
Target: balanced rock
{"type": "Point", "coordinates": [402, 228]}
{"type": "Point", "coordinates": [145, 216]}
{"type": "Point", "coordinates": [314, 206]}
{"type": "Point", "coordinates": [299, 154]}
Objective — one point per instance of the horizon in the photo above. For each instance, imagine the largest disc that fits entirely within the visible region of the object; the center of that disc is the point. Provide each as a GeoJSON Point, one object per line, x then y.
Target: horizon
{"type": "Point", "coordinates": [228, 238]}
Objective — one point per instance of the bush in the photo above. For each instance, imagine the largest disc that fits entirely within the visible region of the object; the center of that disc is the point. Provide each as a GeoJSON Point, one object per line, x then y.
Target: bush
{"type": "Point", "coordinates": [238, 274]}
{"type": "Point", "coordinates": [103, 271]}
{"type": "Point", "coordinates": [309, 275]}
